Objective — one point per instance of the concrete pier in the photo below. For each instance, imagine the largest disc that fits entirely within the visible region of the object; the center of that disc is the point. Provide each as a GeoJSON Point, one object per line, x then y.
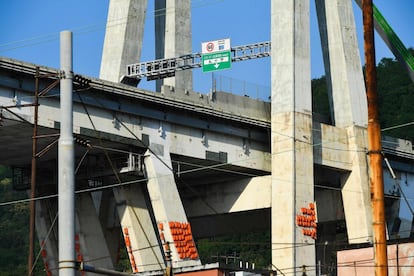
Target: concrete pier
{"type": "Point", "coordinates": [291, 135]}
{"type": "Point", "coordinates": [123, 37]}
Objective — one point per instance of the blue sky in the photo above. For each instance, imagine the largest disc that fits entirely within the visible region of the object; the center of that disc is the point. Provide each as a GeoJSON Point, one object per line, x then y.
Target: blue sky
{"type": "Point", "coordinates": [30, 32]}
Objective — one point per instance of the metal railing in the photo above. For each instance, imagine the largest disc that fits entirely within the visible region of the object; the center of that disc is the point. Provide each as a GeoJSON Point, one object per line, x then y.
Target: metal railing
{"type": "Point", "coordinates": [240, 87]}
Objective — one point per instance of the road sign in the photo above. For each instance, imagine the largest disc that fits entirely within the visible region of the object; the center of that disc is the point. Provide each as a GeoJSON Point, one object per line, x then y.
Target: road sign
{"type": "Point", "coordinates": [216, 61]}
{"type": "Point", "coordinates": [215, 46]}
{"type": "Point", "coordinates": [215, 55]}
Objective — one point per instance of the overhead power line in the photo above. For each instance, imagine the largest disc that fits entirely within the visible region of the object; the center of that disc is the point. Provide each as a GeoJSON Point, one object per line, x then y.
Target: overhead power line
{"type": "Point", "coordinates": [90, 28]}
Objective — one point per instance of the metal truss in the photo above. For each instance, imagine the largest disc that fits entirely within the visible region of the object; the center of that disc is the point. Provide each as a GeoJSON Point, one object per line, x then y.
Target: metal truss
{"type": "Point", "coordinates": [164, 68]}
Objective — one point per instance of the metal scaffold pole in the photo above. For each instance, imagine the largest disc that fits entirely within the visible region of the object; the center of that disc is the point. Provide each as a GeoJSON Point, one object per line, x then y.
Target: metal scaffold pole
{"type": "Point", "coordinates": [66, 181]}
{"type": "Point", "coordinates": [374, 145]}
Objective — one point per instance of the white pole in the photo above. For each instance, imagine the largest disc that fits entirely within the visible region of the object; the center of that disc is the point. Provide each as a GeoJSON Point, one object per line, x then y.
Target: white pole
{"type": "Point", "coordinates": [66, 181]}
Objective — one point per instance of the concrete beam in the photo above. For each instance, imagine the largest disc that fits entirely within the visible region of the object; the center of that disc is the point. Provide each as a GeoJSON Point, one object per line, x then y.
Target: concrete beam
{"type": "Point", "coordinates": [230, 197]}
{"type": "Point", "coordinates": [331, 145]}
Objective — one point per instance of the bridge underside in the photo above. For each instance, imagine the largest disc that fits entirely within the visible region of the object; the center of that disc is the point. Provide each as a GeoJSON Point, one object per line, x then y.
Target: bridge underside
{"type": "Point", "coordinates": [218, 197]}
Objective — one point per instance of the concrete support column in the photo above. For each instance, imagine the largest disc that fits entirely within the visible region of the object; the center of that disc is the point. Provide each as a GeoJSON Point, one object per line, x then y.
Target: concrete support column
{"type": "Point", "coordinates": [159, 23]}
{"type": "Point", "coordinates": [291, 126]}
{"type": "Point", "coordinates": [178, 40]}
{"type": "Point", "coordinates": [91, 246]}
{"type": "Point", "coordinates": [356, 194]}
{"type": "Point", "coordinates": [169, 212]}
{"type": "Point", "coordinates": [106, 207]}
{"type": "Point", "coordinates": [137, 227]}
{"type": "Point", "coordinates": [348, 100]}
{"type": "Point", "coordinates": [342, 63]}
{"type": "Point", "coordinates": [123, 37]}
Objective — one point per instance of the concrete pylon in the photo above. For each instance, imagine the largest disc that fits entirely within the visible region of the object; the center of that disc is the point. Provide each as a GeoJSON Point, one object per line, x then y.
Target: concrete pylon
{"type": "Point", "coordinates": [123, 37]}
{"type": "Point", "coordinates": [356, 196]}
{"type": "Point", "coordinates": [346, 90]}
{"type": "Point", "coordinates": [89, 235]}
{"type": "Point", "coordinates": [141, 241]}
{"type": "Point", "coordinates": [291, 135]}
{"type": "Point", "coordinates": [90, 245]}
{"type": "Point", "coordinates": [342, 63]}
{"type": "Point", "coordinates": [178, 40]}
{"type": "Point", "coordinates": [173, 226]}
{"type": "Point", "coordinates": [159, 23]}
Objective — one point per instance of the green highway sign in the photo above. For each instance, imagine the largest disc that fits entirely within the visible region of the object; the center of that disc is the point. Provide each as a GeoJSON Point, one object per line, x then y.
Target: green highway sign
{"type": "Point", "coordinates": [216, 55]}
{"type": "Point", "coordinates": [216, 61]}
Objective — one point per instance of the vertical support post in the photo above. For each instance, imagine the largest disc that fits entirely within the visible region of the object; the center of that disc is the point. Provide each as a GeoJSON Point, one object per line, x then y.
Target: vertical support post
{"type": "Point", "coordinates": [178, 40]}
{"type": "Point", "coordinates": [123, 37]}
{"type": "Point", "coordinates": [66, 181]}
{"type": "Point", "coordinates": [291, 134]}
{"type": "Point", "coordinates": [348, 103]}
{"type": "Point", "coordinates": [159, 23]}
{"type": "Point", "coordinates": [345, 81]}
{"type": "Point", "coordinates": [374, 145]}
{"type": "Point", "coordinates": [33, 177]}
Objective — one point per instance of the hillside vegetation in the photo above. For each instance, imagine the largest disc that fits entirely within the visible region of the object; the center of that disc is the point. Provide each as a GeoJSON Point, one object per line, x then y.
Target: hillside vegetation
{"type": "Point", "coordinates": [395, 98]}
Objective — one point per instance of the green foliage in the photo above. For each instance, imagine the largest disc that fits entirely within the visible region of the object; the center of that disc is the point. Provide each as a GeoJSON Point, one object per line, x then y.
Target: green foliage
{"type": "Point", "coordinates": [14, 229]}
{"type": "Point", "coordinates": [5, 176]}
{"type": "Point", "coordinates": [320, 100]}
{"type": "Point", "coordinates": [231, 249]}
{"type": "Point", "coordinates": [123, 263]}
{"type": "Point", "coordinates": [395, 98]}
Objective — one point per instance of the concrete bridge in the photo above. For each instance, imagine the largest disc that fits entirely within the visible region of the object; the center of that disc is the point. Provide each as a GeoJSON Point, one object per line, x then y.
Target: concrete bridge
{"type": "Point", "coordinates": [178, 165]}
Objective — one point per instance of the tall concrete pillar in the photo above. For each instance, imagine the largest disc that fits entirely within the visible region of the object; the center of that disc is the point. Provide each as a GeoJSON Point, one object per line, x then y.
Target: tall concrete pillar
{"type": "Point", "coordinates": [342, 62]}
{"type": "Point", "coordinates": [159, 23]}
{"type": "Point", "coordinates": [349, 108]}
{"type": "Point", "coordinates": [291, 137]}
{"type": "Point", "coordinates": [123, 37]}
{"type": "Point", "coordinates": [178, 39]}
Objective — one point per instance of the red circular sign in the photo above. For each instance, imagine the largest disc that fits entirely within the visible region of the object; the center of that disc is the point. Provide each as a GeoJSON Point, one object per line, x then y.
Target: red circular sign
{"type": "Point", "coordinates": [210, 47]}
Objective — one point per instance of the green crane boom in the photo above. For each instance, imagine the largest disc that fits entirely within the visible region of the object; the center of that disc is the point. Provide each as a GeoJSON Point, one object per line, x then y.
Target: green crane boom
{"type": "Point", "coordinates": [393, 42]}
